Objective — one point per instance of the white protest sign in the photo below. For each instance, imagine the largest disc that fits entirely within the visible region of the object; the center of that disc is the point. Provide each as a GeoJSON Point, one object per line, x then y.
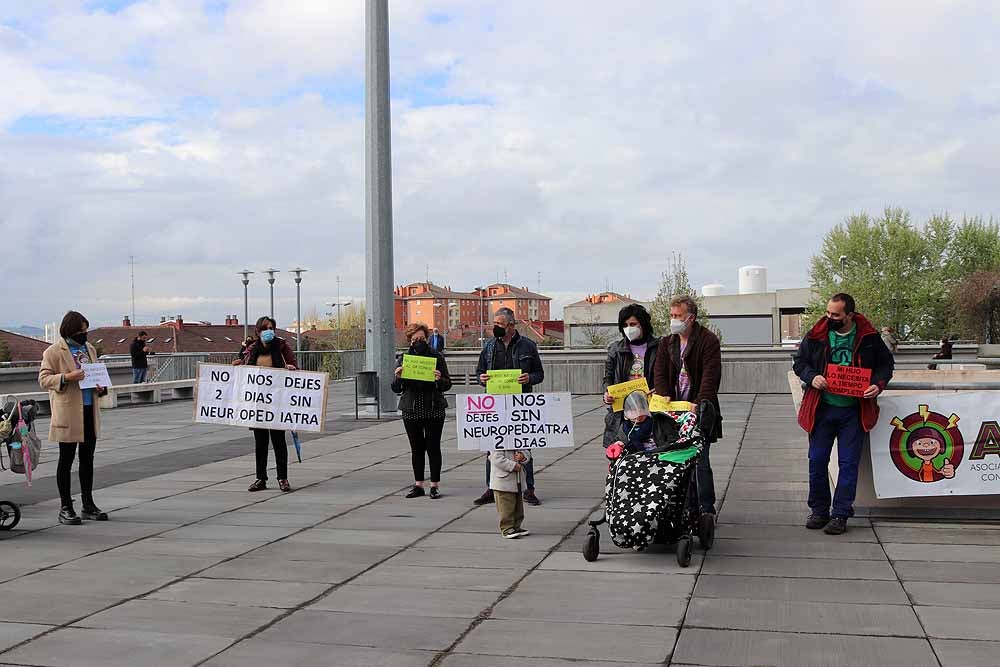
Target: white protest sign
{"type": "Point", "coordinates": [514, 421]}
{"type": "Point", "coordinates": [258, 397]}
{"type": "Point", "coordinates": [94, 375]}
{"type": "Point", "coordinates": [937, 444]}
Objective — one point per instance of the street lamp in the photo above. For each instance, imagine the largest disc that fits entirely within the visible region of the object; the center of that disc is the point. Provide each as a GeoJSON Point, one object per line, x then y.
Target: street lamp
{"type": "Point", "coordinates": [298, 271]}
{"type": "Point", "coordinates": [246, 306]}
{"type": "Point", "coordinates": [338, 304]}
{"type": "Point", "coordinates": [482, 321]}
{"type": "Point", "coordinates": [270, 281]}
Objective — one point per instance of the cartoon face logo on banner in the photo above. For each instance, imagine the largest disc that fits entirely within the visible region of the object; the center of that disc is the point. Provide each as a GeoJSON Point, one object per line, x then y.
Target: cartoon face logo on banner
{"type": "Point", "coordinates": [926, 446]}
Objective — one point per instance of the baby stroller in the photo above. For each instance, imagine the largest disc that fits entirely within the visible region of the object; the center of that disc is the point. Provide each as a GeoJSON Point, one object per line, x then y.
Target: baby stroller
{"type": "Point", "coordinates": [651, 494]}
{"type": "Point", "coordinates": [17, 436]}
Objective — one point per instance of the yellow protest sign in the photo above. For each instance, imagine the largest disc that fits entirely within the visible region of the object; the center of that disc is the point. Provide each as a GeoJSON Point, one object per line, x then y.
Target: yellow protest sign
{"type": "Point", "coordinates": [419, 368]}
{"type": "Point", "coordinates": [660, 404]}
{"type": "Point", "coordinates": [619, 391]}
{"type": "Point", "coordinates": [503, 382]}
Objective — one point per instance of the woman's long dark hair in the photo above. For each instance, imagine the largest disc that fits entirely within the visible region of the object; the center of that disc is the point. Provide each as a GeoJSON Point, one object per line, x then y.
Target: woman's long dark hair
{"type": "Point", "coordinates": [274, 349]}
{"type": "Point", "coordinates": [639, 312]}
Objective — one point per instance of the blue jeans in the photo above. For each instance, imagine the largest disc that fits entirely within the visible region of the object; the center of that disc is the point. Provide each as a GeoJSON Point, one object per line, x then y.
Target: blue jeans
{"type": "Point", "coordinates": [844, 425]}
{"type": "Point", "coordinates": [139, 375]}
{"type": "Point", "coordinates": [529, 474]}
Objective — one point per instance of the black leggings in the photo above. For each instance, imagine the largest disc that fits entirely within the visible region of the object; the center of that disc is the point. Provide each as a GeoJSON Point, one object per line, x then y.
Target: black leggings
{"type": "Point", "coordinates": [277, 438]}
{"type": "Point", "coordinates": [425, 437]}
{"type": "Point", "coordinates": [67, 453]}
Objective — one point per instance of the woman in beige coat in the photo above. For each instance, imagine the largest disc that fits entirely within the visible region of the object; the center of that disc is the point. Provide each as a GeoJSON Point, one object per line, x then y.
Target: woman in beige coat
{"type": "Point", "coordinates": [76, 417]}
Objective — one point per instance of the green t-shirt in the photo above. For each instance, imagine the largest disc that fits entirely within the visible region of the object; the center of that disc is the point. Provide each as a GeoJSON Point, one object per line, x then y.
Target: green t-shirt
{"type": "Point", "coordinates": [841, 353]}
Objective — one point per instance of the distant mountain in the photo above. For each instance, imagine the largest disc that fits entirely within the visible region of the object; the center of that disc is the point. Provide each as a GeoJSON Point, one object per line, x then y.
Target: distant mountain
{"type": "Point", "coordinates": [24, 330]}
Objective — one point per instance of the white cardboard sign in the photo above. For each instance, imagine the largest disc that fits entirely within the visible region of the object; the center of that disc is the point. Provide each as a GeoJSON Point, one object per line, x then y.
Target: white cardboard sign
{"type": "Point", "coordinates": [514, 421]}
{"type": "Point", "coordinates": [258, 397]}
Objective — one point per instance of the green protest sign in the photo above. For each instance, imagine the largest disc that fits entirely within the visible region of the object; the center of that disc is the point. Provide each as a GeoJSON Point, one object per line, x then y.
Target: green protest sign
{"type": "Point", "coordinates": [419, 368]}
{"type": "Point", "coordinates": [503, 382]}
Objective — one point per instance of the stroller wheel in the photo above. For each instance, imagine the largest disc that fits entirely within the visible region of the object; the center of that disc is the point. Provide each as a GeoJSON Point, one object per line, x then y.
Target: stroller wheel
{"type": "Point", "coordinates": [706, 531]}
{"type": "Point", "coordinates": [10, 514]}
{"type": "Point", "coordinates": [684, 551]}
{"type": "Point", "coordinates": [592, 546]}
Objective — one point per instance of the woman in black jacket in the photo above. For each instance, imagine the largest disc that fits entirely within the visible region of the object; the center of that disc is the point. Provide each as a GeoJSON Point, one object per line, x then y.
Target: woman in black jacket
{"type": "Point", "coordinates": [269, 351]}
{"type": "Point", "coordinates": [630, 358]}
{"type": "Point", "coordinates": [423, 406]}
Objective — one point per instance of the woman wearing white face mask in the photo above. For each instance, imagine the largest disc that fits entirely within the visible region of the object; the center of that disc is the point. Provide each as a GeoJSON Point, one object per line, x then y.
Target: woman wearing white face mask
{"type": "Point", "coordinates": [632, 357]}
{"type": "Point", "coordinates": [270, 351]}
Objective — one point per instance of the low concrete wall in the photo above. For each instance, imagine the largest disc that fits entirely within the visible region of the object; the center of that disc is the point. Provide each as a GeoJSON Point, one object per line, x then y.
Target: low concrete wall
{"type": "Point", "coordinates": [25, 380]}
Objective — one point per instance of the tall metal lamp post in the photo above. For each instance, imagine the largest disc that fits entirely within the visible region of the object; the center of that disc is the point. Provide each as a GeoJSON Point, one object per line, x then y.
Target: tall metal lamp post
{"type": "Point", "coordinates": [270, 281]}
{"type": "Point", "coordinates": [380, 333]}
{"type": "Point", "coordinates": [246, 305]}
{"type": "Point", "coordinates": [482, 320]}
{"type": "Point", "coordinates": [298, 271]}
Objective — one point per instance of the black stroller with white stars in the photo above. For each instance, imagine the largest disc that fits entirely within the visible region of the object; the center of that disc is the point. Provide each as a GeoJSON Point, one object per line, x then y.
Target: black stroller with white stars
{"type": "Point", "coordinates": [651, 495]}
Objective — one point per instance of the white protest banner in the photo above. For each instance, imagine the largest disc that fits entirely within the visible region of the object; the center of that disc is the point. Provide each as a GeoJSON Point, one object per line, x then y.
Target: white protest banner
{"type": "Point", "coordinates": [259, 397]}
{"type": "Point", "coordinates": [514, 421]}
{"type": "Point", "coordinates": [94, 375]}
{"type": "Point", "coordinates": [937, 444]}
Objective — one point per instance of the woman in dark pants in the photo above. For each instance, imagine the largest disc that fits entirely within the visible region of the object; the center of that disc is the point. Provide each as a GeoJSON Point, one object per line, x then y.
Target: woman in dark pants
{"type": "Point", "coordinates": [76, 417]}
{"type": "Point", "coordinates": [269, 351]}
{"type": "Point", "coordinates": [423, 406]}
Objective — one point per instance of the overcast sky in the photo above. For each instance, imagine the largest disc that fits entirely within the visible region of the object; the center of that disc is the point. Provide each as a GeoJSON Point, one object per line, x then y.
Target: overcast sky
{"type": "Point", "coordinates": [582, 139]}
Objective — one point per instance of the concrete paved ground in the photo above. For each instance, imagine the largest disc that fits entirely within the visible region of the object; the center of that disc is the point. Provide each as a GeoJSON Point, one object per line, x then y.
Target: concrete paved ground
{"type": "Point", "coordinates": [193, 570]}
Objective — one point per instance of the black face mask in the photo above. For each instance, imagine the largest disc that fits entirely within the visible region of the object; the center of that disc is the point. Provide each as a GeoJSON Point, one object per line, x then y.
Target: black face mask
{"type": "Point", "coordinates": [835, 325]}
{"type": "Point", "coordinates": [80, 338]}
{"type": "Point", "coordinates": [499, 331]}
{"type": "Point", "coordinates": [420, 347]}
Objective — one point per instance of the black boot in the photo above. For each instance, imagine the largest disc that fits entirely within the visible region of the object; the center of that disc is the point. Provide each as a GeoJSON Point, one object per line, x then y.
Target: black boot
{"type": "Point", "coordinates": [68, 516]}
{"type": "Point", "coordinates": [484, 499]}
{"type": "Point", "coordinates": [92, 512]}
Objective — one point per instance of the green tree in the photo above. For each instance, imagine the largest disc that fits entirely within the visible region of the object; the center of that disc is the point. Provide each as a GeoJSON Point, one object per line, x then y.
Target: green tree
{"type": "Point", "coordinates": [902, 275]}
{"type": "Point", "coordinates": [349, 327]}
{"type": "Point", "coordinates": [674, 281]}
{"type": "Point", "coordinates": [4, 351]}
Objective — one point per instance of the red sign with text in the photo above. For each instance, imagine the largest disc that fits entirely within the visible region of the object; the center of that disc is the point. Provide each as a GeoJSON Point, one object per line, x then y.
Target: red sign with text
{"type": "Point", "coordinates": [848, 380]}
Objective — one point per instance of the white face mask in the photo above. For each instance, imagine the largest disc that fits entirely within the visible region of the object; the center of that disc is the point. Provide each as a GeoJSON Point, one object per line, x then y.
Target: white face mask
{"type": "Point", "coordinates": [678, 326]}
{"type": "Point", "coordinates": [633, 333]}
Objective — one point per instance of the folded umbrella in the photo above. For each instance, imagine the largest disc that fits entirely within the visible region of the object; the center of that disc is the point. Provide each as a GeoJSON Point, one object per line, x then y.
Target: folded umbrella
{"type": "Point", "coordinates": [298, 445]}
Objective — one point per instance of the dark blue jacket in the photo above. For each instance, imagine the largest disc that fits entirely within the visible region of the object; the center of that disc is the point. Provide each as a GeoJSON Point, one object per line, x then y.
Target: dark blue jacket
{"type": "Point", "coordinates": [521, 354]}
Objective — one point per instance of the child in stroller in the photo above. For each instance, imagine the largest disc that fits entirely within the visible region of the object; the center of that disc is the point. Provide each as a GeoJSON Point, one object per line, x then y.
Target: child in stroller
{"type": "Point", "coordinates": [651, 492]}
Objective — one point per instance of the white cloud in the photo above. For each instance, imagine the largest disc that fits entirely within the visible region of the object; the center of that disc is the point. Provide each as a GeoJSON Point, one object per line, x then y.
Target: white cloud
{"type": "Point", "coordinates": [584, 140]}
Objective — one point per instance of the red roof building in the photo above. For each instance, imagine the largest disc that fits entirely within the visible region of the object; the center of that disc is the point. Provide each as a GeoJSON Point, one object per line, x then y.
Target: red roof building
{"type": "Point", "coordinates": [447, 310]}
{"type": "Point", "coordinates": [21, 348]}
{"type": "Point", "coordinates": [176, 335]}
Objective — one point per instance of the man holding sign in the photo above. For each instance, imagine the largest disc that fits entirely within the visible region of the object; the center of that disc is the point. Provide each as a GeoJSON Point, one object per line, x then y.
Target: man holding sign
{"type": "Point", "coordinates": [844, 364]}
{"type": "Point", "coordinates": [510, 351]}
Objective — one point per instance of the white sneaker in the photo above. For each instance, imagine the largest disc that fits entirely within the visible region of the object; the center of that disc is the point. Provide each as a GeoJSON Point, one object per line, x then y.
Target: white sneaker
{"type": "Point", "coordinates": [511, 534]}
{"type": "Point", "coordinates": [521, 532]}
